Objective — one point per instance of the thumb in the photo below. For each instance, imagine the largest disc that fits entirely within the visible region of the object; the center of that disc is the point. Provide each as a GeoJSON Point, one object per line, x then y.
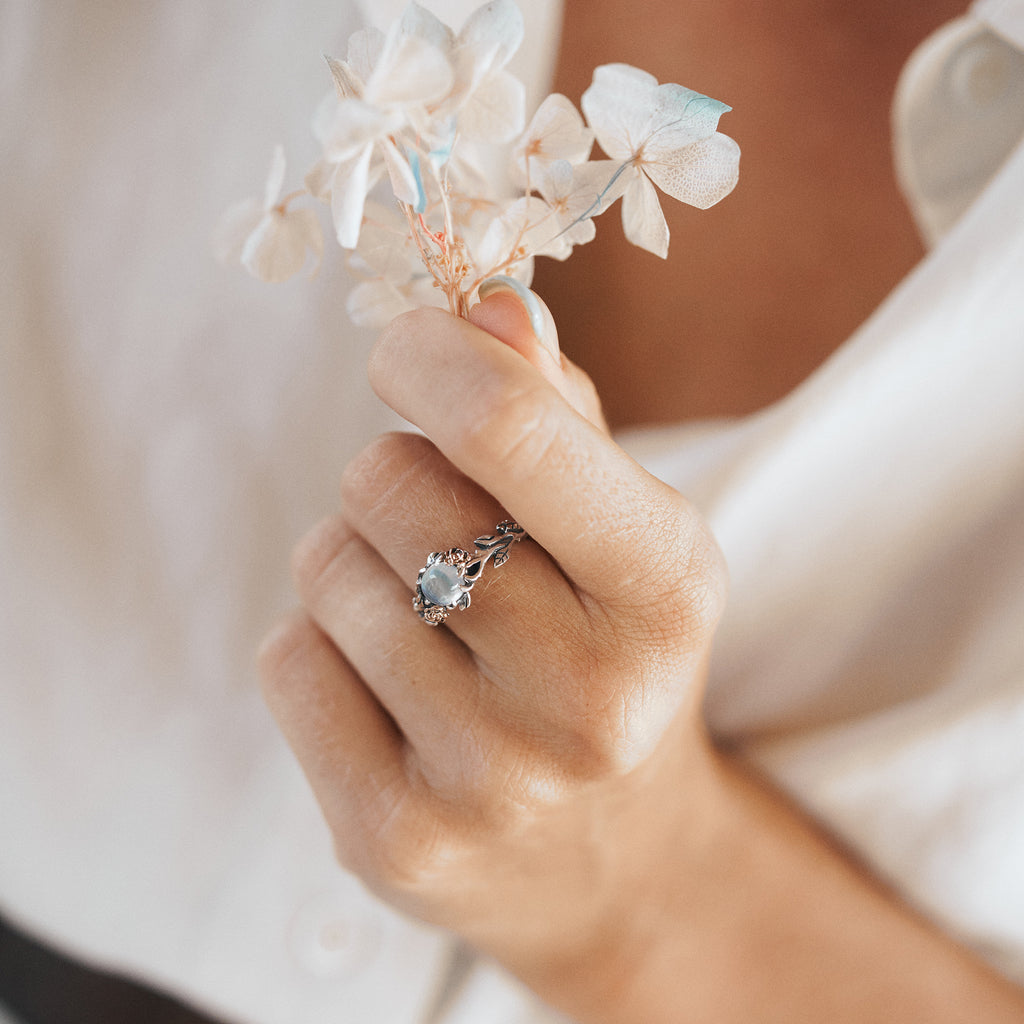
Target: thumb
{"type": "Point", "coordinates": [513, 314]}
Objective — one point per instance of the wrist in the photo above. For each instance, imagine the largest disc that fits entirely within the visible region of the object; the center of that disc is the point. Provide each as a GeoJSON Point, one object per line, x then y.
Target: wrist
{"type": "Point", "coordinates": [670, 842]}
{"type": "Point", "coordinates": [766, 918]}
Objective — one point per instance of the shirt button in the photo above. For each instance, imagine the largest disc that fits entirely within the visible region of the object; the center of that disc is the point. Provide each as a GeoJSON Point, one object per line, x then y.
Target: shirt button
{"type": "Point", "coordinates": [333, 936]}
{"type": "Point", "coordinates": [981, 71]}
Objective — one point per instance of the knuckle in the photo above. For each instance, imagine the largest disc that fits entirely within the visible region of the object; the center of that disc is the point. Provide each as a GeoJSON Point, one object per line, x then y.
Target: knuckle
{"type": "Point", "coordinates": [707, 580]}
{"type": "Point", "coordinates": [318, 559]}
{"type": "Point", "coordinates": [513, 774]}
{"type": "Point", "coordinates": [405, 847]}
{"type": "Point", "coordinates": [684, 588]}
{"type": "Point", "coordinates": [511, 426]}
{"type": "Point", "coordinates": [619, 711]}
{"type": "Point", "coordinates": [537, 767]}
{"type": "Point", "coordinates": [609, 749]}
{"type": "Point", "coordinates": [381, 469]}
{"type": "Point", "coordinates": [288, 653]}
{"type": "Point", "coordinates": [696, 600]}
{"type": "Point", "coordinates": [413, 862]}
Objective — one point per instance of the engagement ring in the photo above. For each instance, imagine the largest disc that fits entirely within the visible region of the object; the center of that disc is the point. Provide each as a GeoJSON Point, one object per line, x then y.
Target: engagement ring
{"type": "Point", "coordinates": [444, 583]}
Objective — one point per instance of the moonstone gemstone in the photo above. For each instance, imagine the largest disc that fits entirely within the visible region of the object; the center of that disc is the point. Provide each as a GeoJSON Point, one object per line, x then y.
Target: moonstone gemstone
{"type": "Point", "coordinates": [441, 585]}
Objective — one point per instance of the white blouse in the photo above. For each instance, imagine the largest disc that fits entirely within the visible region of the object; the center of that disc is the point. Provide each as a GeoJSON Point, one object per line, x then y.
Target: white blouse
{"type": "Point", "coordinates": [169, 428]}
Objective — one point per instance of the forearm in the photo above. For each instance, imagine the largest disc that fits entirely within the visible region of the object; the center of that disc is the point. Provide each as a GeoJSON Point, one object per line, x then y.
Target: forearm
{"type": "Point", "coordinates": [767, 920]}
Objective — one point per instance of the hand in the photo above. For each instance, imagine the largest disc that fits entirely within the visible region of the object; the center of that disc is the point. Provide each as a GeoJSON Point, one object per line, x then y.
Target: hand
{"type": "Point", "coordinates": [516, 774]}
{"type": "Point", "coordinates": [534, 774]}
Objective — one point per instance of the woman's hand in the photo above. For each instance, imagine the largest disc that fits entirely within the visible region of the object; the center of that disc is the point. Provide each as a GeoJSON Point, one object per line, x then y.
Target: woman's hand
{"type": "Point", "coordinates": [534, 774]}
{"type": "Point", "coordinates": [515, 774]}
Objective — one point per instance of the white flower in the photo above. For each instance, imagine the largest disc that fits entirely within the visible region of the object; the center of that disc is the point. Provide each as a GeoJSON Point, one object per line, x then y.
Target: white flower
{"type": "Point", "coordinates": [576, 194]}
{"type": "Point", "coordinates": [269, 238]}
{"type": "Point", "coordinates": [387, 83]}
{"type": "Point", "coordinates": [490, 102]}
{"type": "Point", "coordinates": [665, 134]}
{"type": "Point", "coordinates": [437, 116]}
{"type": "Point", "coordinates": [555, 132]}
{"type": "Point", "coordinates": [511, 239]}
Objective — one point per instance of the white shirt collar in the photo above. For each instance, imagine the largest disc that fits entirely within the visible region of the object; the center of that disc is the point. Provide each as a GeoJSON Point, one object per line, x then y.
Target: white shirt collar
{"type": "Point", "coordinates": [958, 112]}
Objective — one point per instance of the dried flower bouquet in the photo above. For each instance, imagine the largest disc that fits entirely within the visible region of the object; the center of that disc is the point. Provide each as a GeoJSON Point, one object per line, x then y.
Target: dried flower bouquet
{"type": "Point", "coordinates": [434, 185]}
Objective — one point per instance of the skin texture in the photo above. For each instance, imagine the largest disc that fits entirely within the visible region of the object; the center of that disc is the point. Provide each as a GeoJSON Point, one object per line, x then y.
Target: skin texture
{"type": "Point", "coordinates": [536, 775]}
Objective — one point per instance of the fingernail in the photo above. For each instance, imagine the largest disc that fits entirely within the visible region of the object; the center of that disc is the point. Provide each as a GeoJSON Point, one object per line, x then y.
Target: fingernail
{"type": "Point", "coordinates": [541, 320]}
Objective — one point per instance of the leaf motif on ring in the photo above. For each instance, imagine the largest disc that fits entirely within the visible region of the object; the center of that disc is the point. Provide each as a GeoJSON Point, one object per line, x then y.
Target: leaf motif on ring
{"type": "Point", "coordinates": [492, 548]}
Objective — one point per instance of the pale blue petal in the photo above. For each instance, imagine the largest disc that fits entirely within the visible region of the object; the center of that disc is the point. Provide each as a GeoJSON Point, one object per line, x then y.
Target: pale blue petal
{"type": "Point", "coordinates": [681, 116]}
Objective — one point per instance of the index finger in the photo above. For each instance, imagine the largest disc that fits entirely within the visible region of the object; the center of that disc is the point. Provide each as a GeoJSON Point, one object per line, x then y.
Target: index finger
{"type": "Point", "coordinates": [602, 517]}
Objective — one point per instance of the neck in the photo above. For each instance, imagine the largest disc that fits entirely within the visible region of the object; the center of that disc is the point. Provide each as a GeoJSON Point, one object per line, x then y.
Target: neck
{"type": "Point", "coordinates": [758, 291]}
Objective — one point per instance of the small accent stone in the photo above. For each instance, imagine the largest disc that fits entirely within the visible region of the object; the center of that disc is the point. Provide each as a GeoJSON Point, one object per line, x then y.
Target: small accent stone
{"type": "Point", "coordinates": [441, 584]}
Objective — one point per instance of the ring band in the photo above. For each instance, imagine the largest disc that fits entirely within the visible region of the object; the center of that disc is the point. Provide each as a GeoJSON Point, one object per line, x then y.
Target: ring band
{"type": "Point", "coordinates": [444, 583]}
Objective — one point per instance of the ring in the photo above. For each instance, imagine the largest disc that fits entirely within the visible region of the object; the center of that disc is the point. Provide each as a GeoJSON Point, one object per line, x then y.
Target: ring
{"type": "Point", "coordinates": [444, 583]}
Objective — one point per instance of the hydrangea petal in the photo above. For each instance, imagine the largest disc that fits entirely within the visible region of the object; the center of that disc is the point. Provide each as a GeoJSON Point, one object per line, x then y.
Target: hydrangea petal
{"type": "Point", "coordinates": [404, 182]}
{"type": "Point", "coordinates": [579, 232]}
{"type": "Point", "coordinates": [642, 220]}
{"type": "Point", "coordinates": [375, 303]}
{"type": "Point", "coordinates": [524, 224]}
{"type": "Point", "coordinates": [385, 248]}
{"type": "Point", "coordinates": [411, 70]}
{"type": "Point", "coordinates": [418, 21]}
{"type": "Point", "coordinates": [348, 197]}
{"type": "Point", "coordinates": [237, 223]}
{"type": "Point", "coordinates": [492, 34]}
{"type": "Point", "coordinates": [423, 291]}
{"type": "Point", "coordinates": [597, 184]}
{"type": "Point", "coordinates": [357, 123]}
{"type": "Point", "coordinates": [618, 106]}
{"type": "Point", "coordinates": [700, 174]}
{"type": "Point", "coordinates": [625, 79]}
{"type": "Point", "coordinates": [364, 50]}
{"type": "Point", "coordinates": [442, 141]}
{"type": "Point", "coordinates": [495, 112]}
{"type": "Point", "coordinates": [276, 250]}
{"type": "Point", "coordinates": [554, 180]}
{"type": "Point", "coordinates": [323, 117]}
{"type": "Point", "coordinates": [681, 116]}
{"type": "Point", "coordinates": [555, 132]}
{"type": "Point", "coordinates": [304, 223]}
{"type": "Point", "coordinates": [557, 245]}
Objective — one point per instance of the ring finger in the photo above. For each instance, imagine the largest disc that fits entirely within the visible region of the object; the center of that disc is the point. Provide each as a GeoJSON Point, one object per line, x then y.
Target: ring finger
{"type": "Point", "coordinates": [514, 607]}
{"type": "Point", "coordinates": [424, 678]}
